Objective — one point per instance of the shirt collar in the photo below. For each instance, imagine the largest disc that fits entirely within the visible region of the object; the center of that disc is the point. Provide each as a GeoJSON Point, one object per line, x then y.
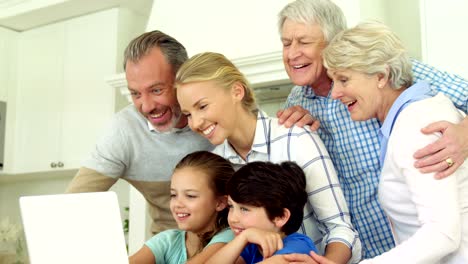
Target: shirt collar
{"type": "Point", "coordinates": [172, 130]}
{"type": "Point", "coordinates": [309, 93]}
{"type": "Point", "coordinates": [416, 92]}
{"type": "Point", "coordinates": [262, 130]}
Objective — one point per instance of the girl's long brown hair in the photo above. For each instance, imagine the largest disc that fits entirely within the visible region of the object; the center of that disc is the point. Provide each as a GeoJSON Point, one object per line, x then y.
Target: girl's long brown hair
{"type": "Point", "coordinates": [219, 171]}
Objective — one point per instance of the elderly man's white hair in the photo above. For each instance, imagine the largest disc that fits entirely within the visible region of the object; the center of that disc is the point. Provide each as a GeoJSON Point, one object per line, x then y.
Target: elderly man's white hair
{"type": "Point", "coordinates": [325, 13]}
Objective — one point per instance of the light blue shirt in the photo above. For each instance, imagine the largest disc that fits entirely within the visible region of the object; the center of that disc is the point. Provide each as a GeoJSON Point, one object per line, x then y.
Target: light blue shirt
{"type": "Point", "coordinates": [168, 247]}
{"type": "Point", "coordinates": [416, 92]}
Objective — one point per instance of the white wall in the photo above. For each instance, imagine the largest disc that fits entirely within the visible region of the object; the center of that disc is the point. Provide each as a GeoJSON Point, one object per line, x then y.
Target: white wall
{"type": "Point", "coordinates": [131, 24]}
{"type": "Point", "coordinates": [238, 28]}
{"type": "Point", "coordinates": [246, 28]}
{"type": "Point", "coordinates": [404, 18]}
{"type": "Point", "coordinates": [444, 34]}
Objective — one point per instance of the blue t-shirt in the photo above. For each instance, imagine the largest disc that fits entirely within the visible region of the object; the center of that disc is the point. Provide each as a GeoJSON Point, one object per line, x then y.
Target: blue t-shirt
{"type": "Point", "coordinates": [294, 243]}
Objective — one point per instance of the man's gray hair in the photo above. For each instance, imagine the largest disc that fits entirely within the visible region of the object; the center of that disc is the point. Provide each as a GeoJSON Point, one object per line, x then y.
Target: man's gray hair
{"type": "Point", "coordinates": [325, 13]}
{"type": "Point", "coordinates": [173, 50]}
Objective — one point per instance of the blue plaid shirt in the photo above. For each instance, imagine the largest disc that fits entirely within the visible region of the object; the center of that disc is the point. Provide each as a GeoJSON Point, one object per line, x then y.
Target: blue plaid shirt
{"type": "Point", "coordinates": [326, 215]}
{"type": "Point", "coordinates": [354, 148]}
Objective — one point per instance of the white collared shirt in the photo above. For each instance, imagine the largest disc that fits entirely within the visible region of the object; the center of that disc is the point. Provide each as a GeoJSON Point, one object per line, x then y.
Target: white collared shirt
{"type": "Point", "coordinates": [326, 215]}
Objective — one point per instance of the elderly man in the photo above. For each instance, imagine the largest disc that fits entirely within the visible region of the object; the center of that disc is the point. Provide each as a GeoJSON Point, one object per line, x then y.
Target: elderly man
{"type": "Point", "coordinates": [306, 27]}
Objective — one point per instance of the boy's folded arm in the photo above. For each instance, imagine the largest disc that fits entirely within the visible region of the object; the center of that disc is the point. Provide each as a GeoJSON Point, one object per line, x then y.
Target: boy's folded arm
{"type": "Point", "coordinates": [229, 253]}
{"type": "Point", "coordinates": [206, 253]}
{"type": "Point", "coordinates": [268, 241]}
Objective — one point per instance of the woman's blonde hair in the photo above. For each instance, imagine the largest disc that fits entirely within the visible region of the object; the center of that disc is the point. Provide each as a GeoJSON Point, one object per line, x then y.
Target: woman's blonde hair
{"type": "Point", "coordinates": [371, 48]}
{"type": "Point", "coordinates": [210, 66]}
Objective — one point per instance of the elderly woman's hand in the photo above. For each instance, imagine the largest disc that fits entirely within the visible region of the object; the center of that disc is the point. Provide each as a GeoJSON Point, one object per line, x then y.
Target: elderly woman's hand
{"type": "Point", "coordinates": [446, 154]}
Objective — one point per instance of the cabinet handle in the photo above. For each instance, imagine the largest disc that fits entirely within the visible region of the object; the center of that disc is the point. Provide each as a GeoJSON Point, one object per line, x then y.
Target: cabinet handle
{"type": "Point", "coordinates": [53, 165]}
{"type": "Point", "coordinates": [60, 164]}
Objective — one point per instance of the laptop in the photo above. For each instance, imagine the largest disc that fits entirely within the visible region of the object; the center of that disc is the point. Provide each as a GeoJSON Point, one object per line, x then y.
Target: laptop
{"type": "Point", "coordinates": [73, 228]}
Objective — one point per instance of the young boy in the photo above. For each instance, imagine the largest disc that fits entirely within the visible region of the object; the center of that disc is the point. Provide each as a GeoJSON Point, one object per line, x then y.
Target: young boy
{"type": "Point", "coordinates": [266, 203]}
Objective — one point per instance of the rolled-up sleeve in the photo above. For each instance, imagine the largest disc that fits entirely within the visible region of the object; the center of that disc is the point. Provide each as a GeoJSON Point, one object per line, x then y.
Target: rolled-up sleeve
{"type": "Point", "coordinates": [326, 210]}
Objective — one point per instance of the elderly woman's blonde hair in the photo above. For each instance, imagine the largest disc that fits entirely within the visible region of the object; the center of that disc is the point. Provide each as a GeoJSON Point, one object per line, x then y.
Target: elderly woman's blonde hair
{"type": "Point", "coordinates": [210, 66]}
{"type": "Point", "coordinates": [371, 48]}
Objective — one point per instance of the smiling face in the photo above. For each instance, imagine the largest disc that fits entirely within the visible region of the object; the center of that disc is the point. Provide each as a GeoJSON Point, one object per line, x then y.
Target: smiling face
{"type": "Point", "coordinates": [151, 85]}
{"type": "Point", "coordinates": [359, 92]}
{"type": "Point", "coordinates": [211, 110]}
{"type": "Point", "coordinates": [243, 216]}
{"type": "Point", "coordinates": [193, 204]}
{"type": "Point", "coordinates": [302, 48]}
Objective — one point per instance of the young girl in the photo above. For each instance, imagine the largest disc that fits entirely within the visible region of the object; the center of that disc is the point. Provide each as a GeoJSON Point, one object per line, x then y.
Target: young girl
{"type": "Point", "coordinates": [199, 206]}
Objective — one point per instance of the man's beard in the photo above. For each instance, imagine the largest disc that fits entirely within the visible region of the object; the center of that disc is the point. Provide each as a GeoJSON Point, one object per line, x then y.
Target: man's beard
{"type": "Point", "coordinates": [176, 115]}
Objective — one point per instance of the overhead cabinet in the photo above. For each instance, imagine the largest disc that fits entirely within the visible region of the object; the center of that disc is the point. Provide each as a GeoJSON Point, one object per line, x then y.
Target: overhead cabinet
{"type": "Point", "coordinates": [62, 100]}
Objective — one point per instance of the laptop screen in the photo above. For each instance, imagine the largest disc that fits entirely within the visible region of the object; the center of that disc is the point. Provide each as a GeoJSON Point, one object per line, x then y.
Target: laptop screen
{"type": "Point", "coordinates": [73, 228]}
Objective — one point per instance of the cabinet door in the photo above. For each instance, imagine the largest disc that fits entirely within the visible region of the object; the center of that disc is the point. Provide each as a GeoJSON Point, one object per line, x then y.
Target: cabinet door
{"type": "Point", "coordinates": [89, 57]}
{"type": "Point", "coordinates": [8, 47]}
{"type": "Point", "coordinates": [38, 98]}
{"type": "Point", "coordinates": [4, 36]}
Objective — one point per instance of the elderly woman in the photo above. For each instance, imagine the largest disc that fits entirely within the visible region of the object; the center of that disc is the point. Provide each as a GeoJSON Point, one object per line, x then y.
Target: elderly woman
{"type": "Point", "coordinates": [306, 27]}
{"type": "Point", "coordinates": [372, 77]}
{"type": "Point", "coordinates": [220, 105]}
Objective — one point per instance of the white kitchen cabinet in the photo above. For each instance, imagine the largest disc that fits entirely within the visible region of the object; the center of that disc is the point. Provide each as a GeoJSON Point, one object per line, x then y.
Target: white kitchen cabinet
{"type": "Point", "coordinates": [88, 102]}
{"type": "Point", "coordinates": [7, 62]}
{"type": "Point", "coordinates": [8, 45]}
{"type": "Point", "coordinates": [3, 64]}
{"type": "Point", "coordinates": [62, 100]}
{"type": "Point", "coordinates": [38, 98]}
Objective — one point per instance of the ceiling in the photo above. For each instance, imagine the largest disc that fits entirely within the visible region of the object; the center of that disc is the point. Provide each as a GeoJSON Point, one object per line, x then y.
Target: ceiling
{"type": "Point", "coordinates": [20, 15]}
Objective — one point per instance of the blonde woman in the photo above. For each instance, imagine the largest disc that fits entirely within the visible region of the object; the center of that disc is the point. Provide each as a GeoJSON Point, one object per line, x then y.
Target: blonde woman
{"type": "Point", "coordinates": [220, 105]}
{"type": "Point", "coordinates": [372, 77]}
